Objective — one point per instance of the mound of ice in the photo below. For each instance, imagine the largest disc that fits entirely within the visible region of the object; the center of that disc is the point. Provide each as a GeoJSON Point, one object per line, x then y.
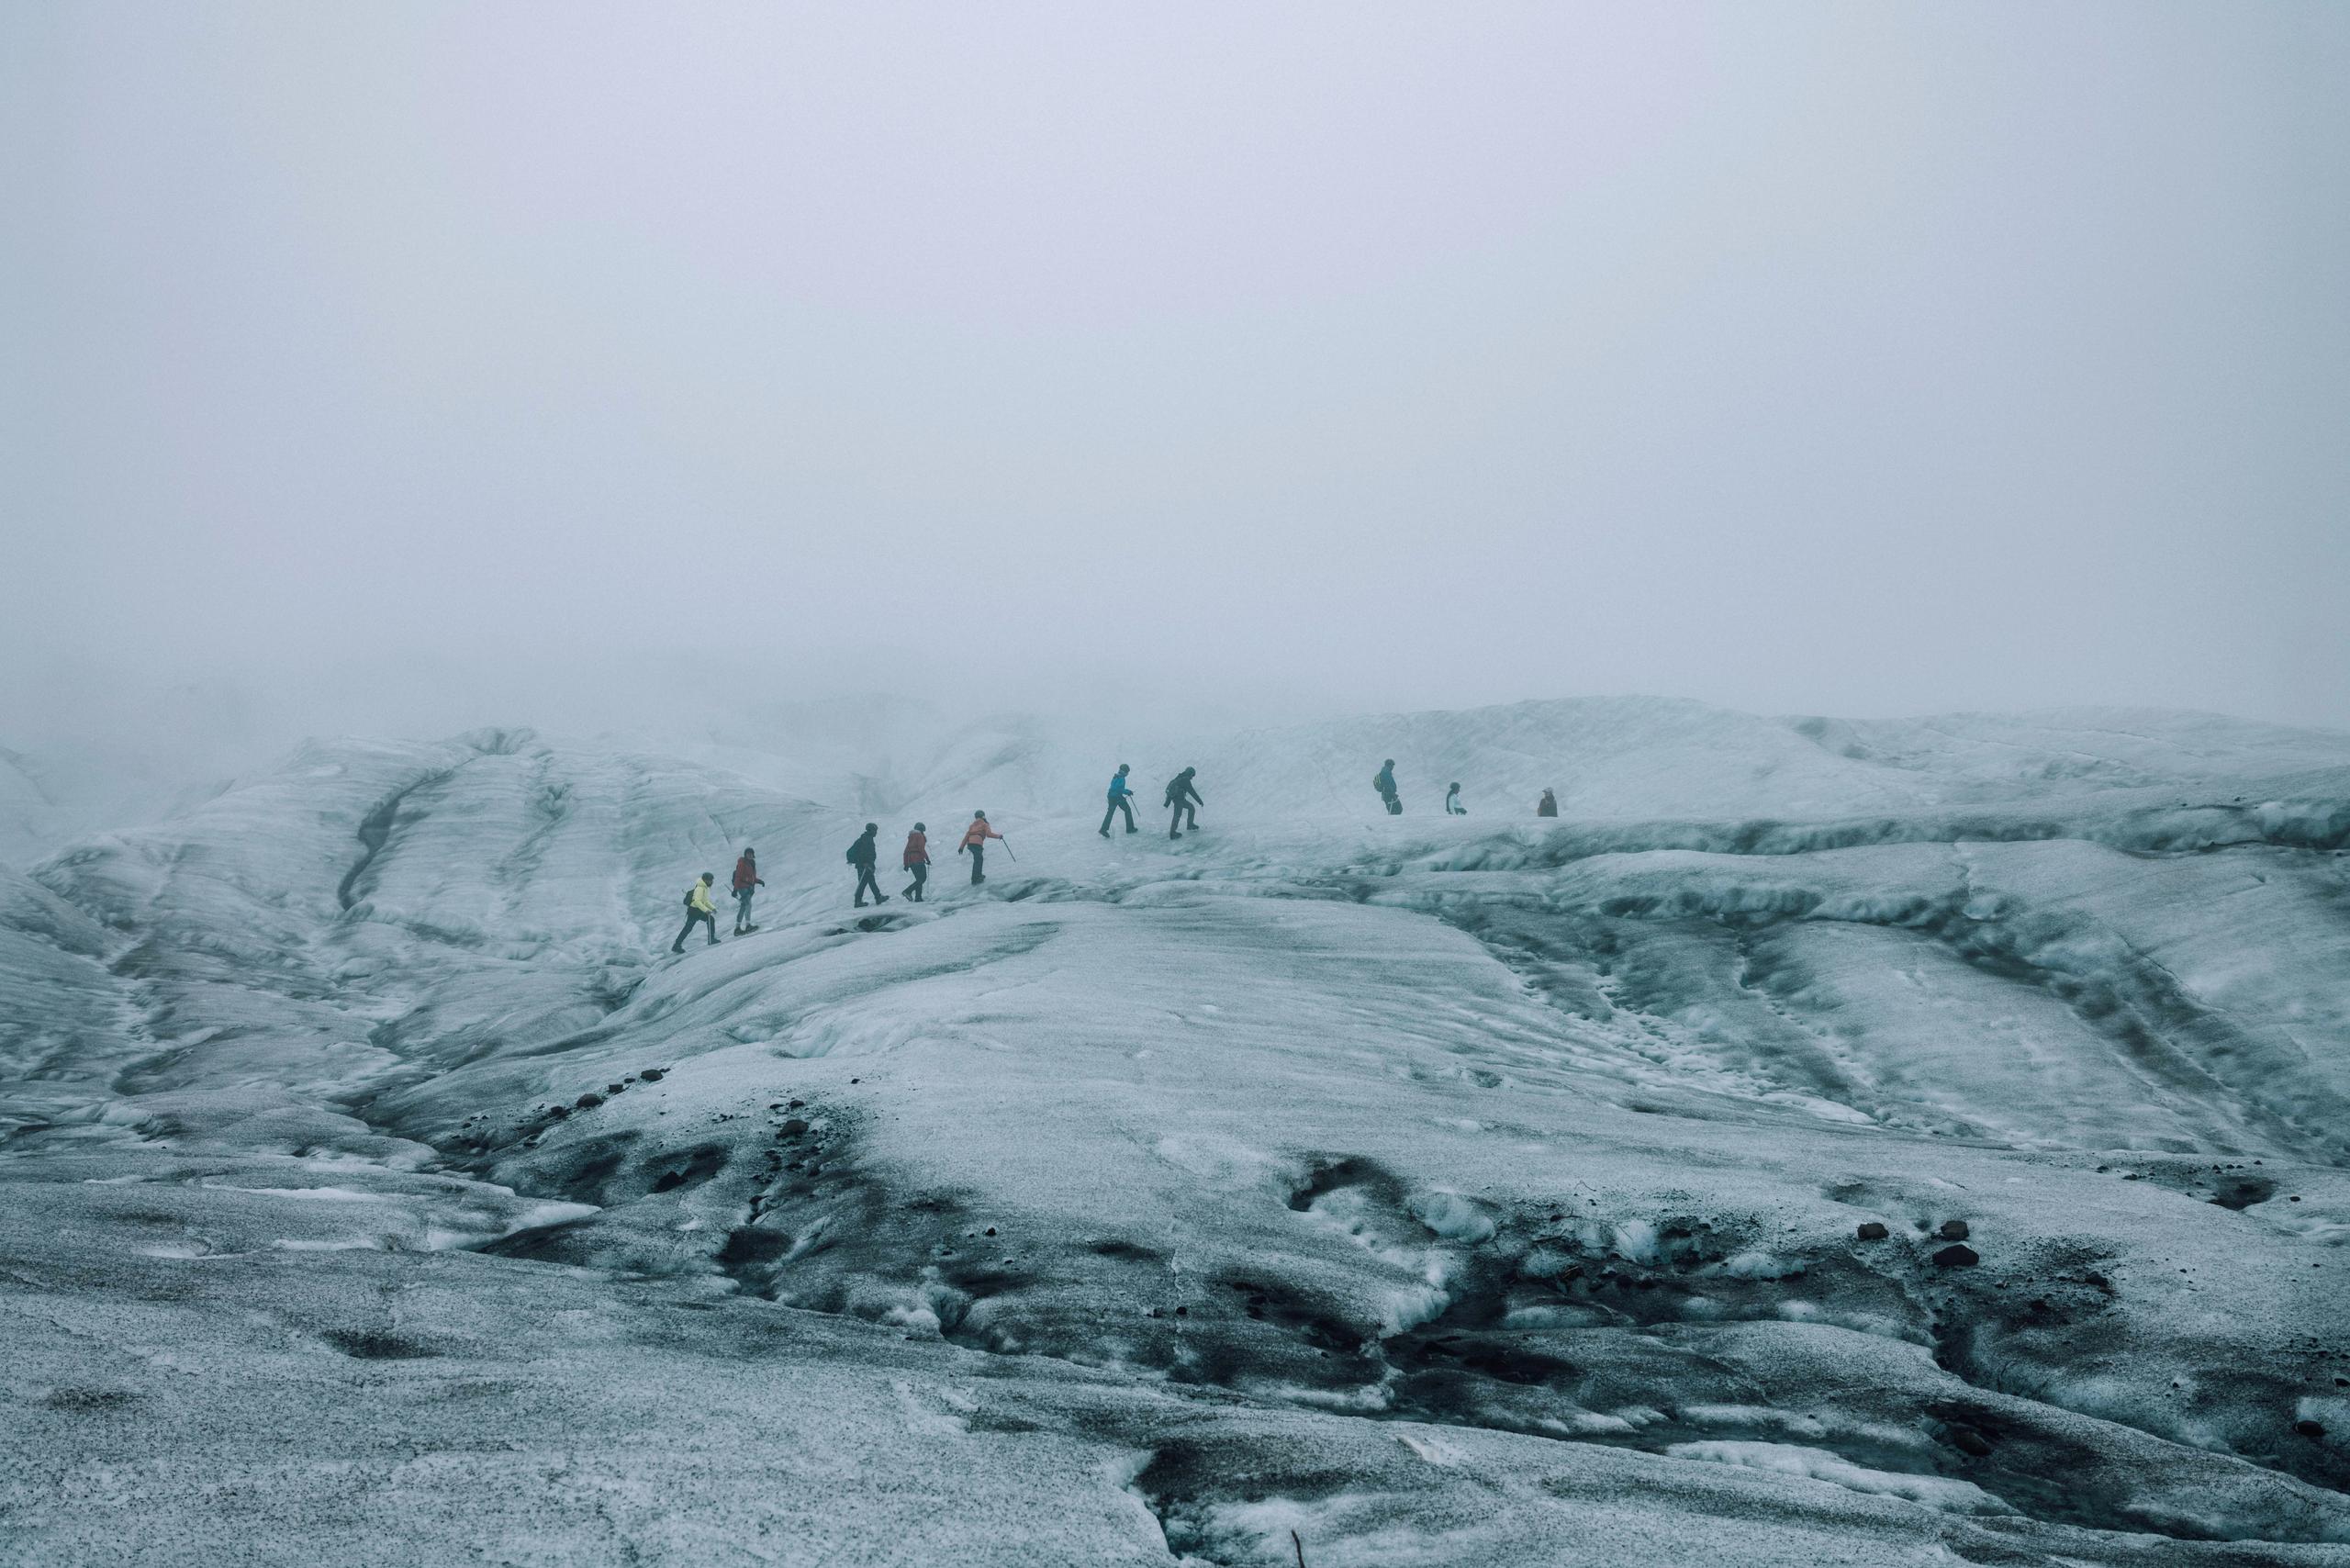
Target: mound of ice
{"type": "Point", "coordinates": [1951, 1165]}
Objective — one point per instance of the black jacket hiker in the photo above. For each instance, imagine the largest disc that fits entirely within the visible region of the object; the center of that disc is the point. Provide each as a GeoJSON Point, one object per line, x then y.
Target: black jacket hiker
{"type": "Point", "coordinates": [1183, 798]}
{"type": "Point", "coordinates": [861, 855]}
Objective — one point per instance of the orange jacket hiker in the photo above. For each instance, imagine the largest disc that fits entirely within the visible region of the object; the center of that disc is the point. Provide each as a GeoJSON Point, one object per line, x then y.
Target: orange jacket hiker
{"type": "Point", "coordinates": [978, 832]}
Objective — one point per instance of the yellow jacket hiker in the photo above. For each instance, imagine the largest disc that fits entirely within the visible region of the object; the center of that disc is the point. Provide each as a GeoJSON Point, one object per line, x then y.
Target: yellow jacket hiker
{"type": "Point", "coordinates": [698, 908]}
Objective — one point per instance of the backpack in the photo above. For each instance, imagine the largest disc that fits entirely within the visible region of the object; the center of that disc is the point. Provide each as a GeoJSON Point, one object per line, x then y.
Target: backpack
{"type": "Point", "coordinates": [689, 898]}
{"type": "Point", "coordinates": [851, 856]}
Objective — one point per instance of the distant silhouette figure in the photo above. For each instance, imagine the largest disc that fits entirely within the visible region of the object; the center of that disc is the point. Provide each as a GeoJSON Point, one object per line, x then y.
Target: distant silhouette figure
{"type": "Point", "coordinates": [1547, 806]}
{"type": "Point", "coordinates": [1452, 806]}
{"type": "Point", "coordinates": [1385, 782]}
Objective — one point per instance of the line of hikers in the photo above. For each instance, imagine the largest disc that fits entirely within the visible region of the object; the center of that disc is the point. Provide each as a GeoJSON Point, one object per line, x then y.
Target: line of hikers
{"type": "Point", "coordinates": [1385, 782]}
{"type": "Point", "coordinates": [864, 854]}
{"type": "Point", "coordinates": [1182, 798]}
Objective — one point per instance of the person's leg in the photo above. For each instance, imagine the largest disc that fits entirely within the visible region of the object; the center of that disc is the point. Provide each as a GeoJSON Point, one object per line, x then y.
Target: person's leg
{"type": "Point", "coordinates": [680, 945]}
{"type": "Point", "coordinates": [1175, 823]}
{"type": "Point", "coordinates": [1107, 815]}
{"type": "Point", "coordinates": [1126, 804]}
{"type": "Point", "coordinates": [978, 864]}
{"type": "Point", "coordinates": [709, 917]}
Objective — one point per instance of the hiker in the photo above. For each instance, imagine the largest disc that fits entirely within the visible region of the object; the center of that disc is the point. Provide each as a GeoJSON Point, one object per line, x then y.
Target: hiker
{"type": "Point", "coordinates": [1385, 784]}
{"type": "Point", "coordinates": [975, 845]}
{"type": "Point", "coordinates": [1122, 798]}
{"type": "Point", "coordinates": [1547, 806]}
{"type": "Point", "coordinates": [1182, 797]}
{"type": "Point", "coordinates": [917, 863]}
{"type": "Point", "coordinates": [861, 855]}
{"type": "Point", "coordinates": [747, 881]}
{"type": "Point", "coordinates": [698, 908]}
{"type": "Point", "coordinates": [1452, 806]}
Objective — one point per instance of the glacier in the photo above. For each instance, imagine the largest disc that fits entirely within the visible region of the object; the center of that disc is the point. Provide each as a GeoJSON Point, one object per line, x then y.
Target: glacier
{"type": "Point", "coordinates": [1828, 1141]}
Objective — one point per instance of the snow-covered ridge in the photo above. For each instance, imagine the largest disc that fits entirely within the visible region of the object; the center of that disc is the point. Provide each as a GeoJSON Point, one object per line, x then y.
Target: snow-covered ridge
{"type": "Point", "coordinates": [1636, 757]}
{"type": "Point", "coordinates": [1938, 1150]}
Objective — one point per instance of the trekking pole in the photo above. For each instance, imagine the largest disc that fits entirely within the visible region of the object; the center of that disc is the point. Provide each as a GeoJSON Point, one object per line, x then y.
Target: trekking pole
{"type": "Point", "coordinates": [1008, 855]}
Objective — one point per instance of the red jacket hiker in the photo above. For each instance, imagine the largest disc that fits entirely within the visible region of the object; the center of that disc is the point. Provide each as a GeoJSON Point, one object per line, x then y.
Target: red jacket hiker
{"type": "Point", "coordinates": [746, 873]}
{"type": "Point", "coordinates": [917, 850]}
{"type": "Point", "coordinates": [978, 832]}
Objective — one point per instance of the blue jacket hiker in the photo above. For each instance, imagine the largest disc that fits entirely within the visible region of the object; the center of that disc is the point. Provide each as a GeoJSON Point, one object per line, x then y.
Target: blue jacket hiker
{"type": "Point", "coordinates": [1122, 798]}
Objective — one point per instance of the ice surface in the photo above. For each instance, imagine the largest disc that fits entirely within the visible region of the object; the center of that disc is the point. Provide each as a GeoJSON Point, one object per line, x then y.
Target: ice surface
{"type": "Point", "coordinates": [379, 1188]}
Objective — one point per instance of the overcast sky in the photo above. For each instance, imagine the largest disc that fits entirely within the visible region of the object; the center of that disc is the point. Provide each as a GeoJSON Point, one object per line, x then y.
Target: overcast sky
{"type": "Point", "coordinates": [1845, 358]}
